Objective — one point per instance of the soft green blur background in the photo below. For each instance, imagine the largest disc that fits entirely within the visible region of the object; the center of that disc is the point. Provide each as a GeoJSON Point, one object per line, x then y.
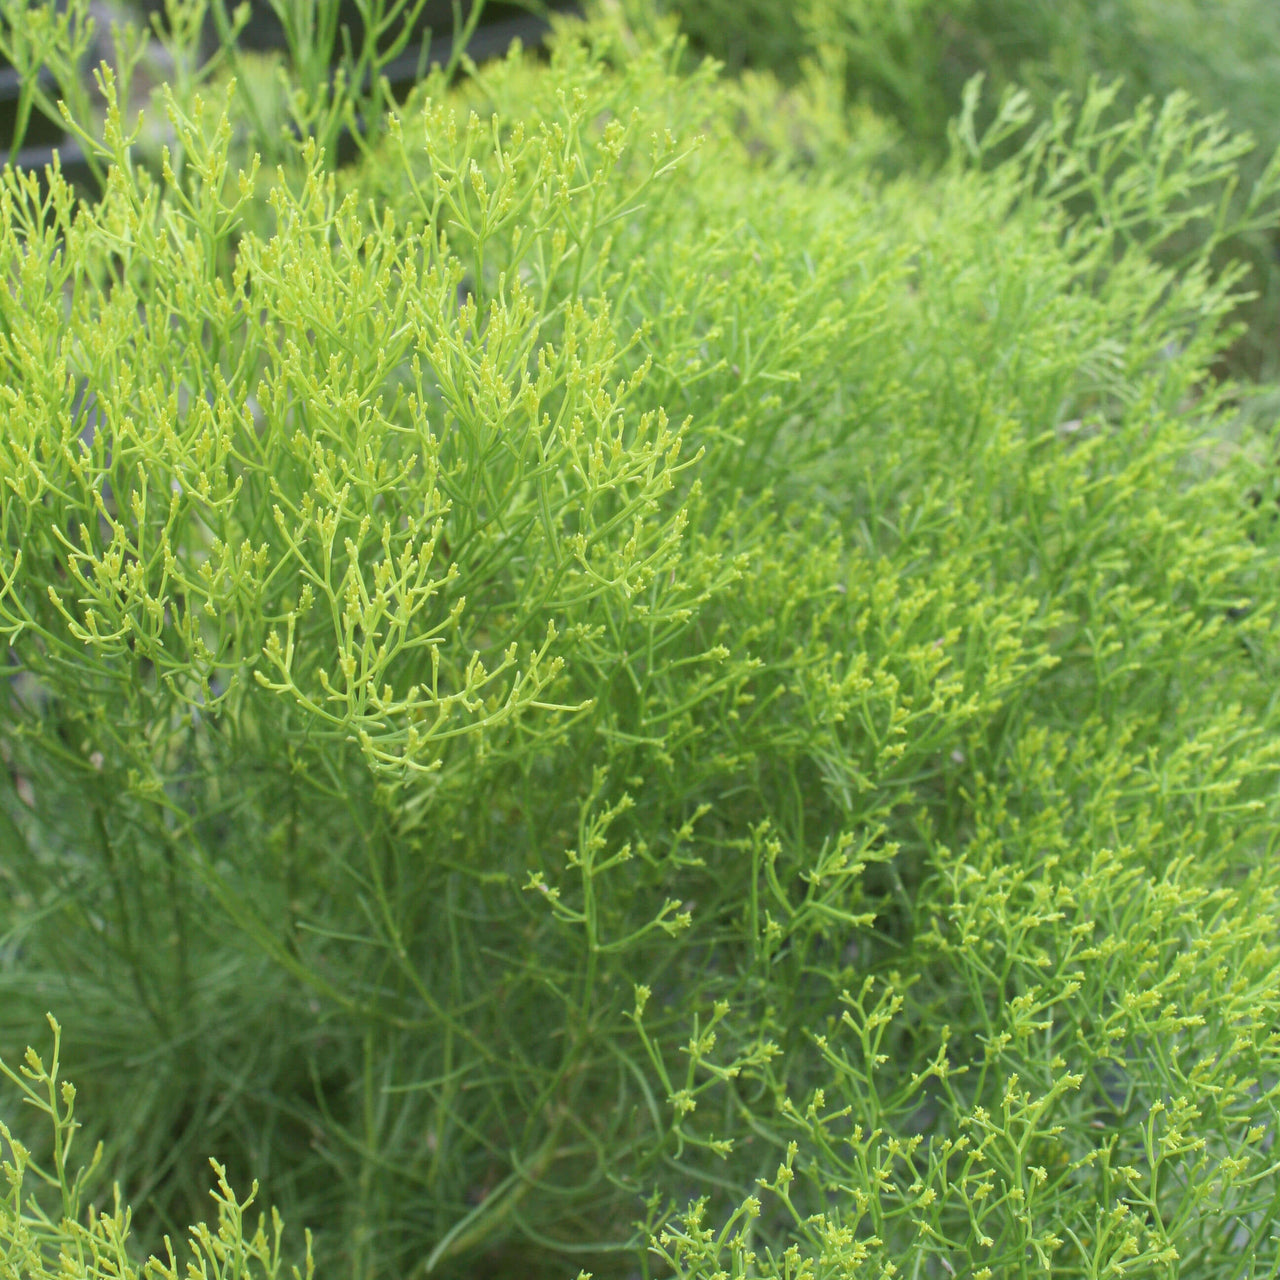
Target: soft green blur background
{"type": "Point", "coordinates": [909, 60]}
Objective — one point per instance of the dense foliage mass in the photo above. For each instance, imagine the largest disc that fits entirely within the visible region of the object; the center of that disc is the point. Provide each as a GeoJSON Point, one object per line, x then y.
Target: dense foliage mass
{"type": "Point", "coordinates": [911, 57]}
{"type": "Point", "coordinates": [910, 61]}
{"type": "Point", "coordinates": [610, 688]}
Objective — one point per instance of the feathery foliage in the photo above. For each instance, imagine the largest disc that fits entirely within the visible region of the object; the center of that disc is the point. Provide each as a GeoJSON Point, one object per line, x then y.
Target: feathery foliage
{"type": "Point", "coordinates": [607, 688]}
{"type": "Point", "coordinates": [910, 61]}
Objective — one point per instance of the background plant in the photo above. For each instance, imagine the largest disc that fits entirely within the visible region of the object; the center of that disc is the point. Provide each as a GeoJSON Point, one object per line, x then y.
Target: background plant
{"type": "Point", "coordinates": [540, 680]}
{"type": "Point", "coordinates": [910, 60]}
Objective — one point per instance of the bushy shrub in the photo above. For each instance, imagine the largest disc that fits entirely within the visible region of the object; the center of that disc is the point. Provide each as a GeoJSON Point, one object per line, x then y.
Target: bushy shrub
{"type": "Point", "coordinates": [585, 695]}
{"type": "Point", "coordinates": [910, 60]}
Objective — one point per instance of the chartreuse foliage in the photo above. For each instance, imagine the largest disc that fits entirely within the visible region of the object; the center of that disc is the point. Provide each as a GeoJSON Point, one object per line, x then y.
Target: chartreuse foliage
{"type": "Point", "coordinates": [910, 61]}
{"type": "Point", "coordinates": [98, 1245]}
{"type": "Point", "coordinates": [583, 694]}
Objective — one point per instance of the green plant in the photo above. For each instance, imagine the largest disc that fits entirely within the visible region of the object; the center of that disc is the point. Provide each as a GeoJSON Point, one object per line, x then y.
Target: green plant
{"type": "Point", "coordinates": [560, 661]}
{"type": "Point", "coordinates": [38, 1246]}
{"type": "Point", "coordinates": [323, 86]}
{"type": "Point", "coordinates": [910, 60]}
{"type": "Point", "coordinates": [913, 57]}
